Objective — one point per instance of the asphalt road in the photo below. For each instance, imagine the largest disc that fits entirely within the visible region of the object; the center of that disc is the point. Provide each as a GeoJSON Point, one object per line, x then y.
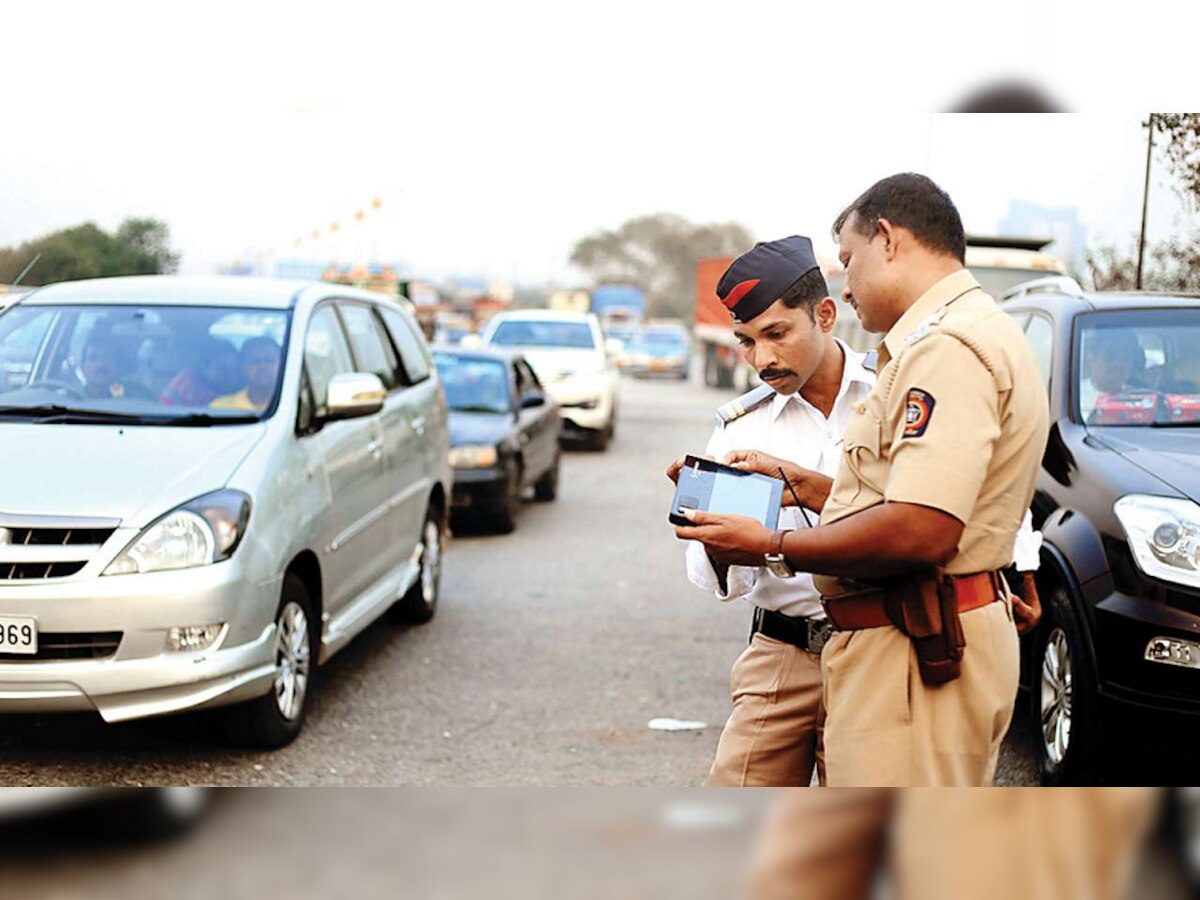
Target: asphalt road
{"type": "Point", "coordinates": [552, 649]}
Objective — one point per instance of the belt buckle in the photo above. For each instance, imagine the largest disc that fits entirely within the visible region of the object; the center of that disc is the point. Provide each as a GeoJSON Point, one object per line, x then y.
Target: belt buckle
{"type": "Point", "coordinates": [819, 632]}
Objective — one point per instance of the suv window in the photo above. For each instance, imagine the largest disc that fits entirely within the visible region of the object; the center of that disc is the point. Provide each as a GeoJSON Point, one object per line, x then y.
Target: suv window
{"type": "Point", "coordinates": [412, 351]}
{"type": "Point", "coordinates": [326, 354]}
{"type": "Point", "coordinates": [1040, 333]}
{"type": "Point", "coordinates": [372, 350]}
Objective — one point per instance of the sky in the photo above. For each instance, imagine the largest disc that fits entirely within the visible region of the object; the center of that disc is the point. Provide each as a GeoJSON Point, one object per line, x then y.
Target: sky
{"type": "Point", "coordinates": [496, 135]}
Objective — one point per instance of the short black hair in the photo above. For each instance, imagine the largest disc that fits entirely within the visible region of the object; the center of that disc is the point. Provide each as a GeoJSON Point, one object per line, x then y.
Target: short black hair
{"type": "Point", "coordinates": [914, 202]}
{"type": "Point", "coordinates": [808, 290]}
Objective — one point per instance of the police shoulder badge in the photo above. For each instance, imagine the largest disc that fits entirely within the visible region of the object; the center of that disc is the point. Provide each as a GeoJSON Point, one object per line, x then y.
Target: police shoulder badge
{"type": "Point", "coordinates": [918, 412]}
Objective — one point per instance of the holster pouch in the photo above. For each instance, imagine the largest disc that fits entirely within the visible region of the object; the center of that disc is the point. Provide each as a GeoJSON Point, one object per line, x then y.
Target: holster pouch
{"type": "Point", "coordinates": [925, 608]}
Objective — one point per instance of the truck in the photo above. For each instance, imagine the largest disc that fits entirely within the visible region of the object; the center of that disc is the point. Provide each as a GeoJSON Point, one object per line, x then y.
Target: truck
{"type": "Point", "coordinates": [712, 335]}
{"type": "Point", "coordinates": [621, 309]}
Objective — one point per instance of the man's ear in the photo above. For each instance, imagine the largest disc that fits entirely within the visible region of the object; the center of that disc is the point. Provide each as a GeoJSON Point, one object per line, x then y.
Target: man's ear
{"type": "Point", "coordinates": [825, 314]}
{"type": "Point", "coordinates": [889, 233]}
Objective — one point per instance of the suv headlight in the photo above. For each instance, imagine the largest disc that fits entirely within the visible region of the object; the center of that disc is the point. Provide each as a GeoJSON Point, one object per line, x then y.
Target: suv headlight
{"type": "Point", "coordinates": [470, 456]}
{"type": "Point", "coordinates": [1164, 535]}
{"type": "Point", "coordinates": [202, 531]}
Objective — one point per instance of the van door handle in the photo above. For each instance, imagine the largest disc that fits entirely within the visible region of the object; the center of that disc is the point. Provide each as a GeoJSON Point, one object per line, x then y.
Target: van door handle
{"type": "Point", "coordinates": [375, 448]}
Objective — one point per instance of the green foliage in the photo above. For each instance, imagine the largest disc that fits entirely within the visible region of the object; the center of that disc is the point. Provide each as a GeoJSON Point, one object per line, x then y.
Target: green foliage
{"type": "Point", "coordinates": [140, 246]}
{"type": "Point", "coordinates": [658, 253]}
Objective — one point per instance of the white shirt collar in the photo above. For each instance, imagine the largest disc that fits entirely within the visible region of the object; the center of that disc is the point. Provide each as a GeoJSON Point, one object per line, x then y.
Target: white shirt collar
{"type": "Point", "coordinates": [852, 371]}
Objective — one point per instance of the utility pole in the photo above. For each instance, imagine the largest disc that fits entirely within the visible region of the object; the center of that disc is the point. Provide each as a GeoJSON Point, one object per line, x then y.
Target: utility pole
{"type": "Point", "coordinates": [1145, 204]}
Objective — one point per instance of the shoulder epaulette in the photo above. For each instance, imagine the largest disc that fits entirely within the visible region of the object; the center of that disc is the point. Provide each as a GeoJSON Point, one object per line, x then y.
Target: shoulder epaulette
{"type": "Point", "coordinates": [735, 409]}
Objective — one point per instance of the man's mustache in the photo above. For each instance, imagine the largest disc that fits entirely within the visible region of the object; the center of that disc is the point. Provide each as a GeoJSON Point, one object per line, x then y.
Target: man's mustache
{"type": "Point", "coordinates": [764, 374]}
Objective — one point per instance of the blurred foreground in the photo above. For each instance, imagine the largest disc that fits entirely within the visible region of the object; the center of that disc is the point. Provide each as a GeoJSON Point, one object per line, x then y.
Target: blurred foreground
{"type": "Point", "coordinates": [586, 843]}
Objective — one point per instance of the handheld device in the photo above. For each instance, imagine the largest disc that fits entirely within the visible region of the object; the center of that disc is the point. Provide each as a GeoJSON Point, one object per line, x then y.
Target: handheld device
{"type": "Point", "coordinates": [713, 487]}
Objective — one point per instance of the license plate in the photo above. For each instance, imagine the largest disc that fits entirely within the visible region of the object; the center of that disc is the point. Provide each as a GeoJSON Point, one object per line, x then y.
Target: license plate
{"type": "Point", "coordinates": [18, 634]}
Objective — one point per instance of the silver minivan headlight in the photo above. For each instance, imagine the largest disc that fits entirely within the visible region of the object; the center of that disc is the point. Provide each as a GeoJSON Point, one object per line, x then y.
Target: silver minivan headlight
{"type": "Point", "coordinates": [202, 531]}
{"type": "Point", "coordinates": [1164, 535]}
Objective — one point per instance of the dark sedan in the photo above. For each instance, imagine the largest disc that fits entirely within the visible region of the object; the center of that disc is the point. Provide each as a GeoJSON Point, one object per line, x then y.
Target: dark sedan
{"type": "Point", "coordinates": [1115, 666]}
{"type": "Point", "coordinates": [504, 433]}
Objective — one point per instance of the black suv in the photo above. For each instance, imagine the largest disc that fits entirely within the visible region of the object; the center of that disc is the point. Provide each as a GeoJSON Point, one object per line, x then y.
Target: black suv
{"type": "Point", "coordinates": [1116, 661]}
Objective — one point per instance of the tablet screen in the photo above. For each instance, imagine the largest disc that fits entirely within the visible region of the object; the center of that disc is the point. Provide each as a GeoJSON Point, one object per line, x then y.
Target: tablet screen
{"type": "Point", "coordinates": [740, 496]}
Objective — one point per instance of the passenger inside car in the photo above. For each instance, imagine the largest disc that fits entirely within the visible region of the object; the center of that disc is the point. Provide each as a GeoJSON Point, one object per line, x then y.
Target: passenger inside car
{"type": "Point", "coordinates": [260, 366]}
{"type": "Point", "coordinates": [215, 373]}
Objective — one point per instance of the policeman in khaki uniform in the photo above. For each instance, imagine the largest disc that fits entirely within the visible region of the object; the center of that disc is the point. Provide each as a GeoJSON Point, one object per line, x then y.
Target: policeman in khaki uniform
{"type": "Point", "coordinates": [783, 317]}
{"type": "Point", "coordinates": [937, 470]}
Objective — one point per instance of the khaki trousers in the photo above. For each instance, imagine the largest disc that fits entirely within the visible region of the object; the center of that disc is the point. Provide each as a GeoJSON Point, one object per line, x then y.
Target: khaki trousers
{"type": "Point", "coordinates": [887, 728]}
{"type": "Point", "coordinates": [773, 737]}
{"type": "Point", "coordinates": [998, 844]}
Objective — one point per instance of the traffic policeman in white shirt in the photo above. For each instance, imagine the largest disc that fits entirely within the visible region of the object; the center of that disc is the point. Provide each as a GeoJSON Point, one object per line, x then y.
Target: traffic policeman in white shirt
{"type": "Point", "coordinates": [783, 317]}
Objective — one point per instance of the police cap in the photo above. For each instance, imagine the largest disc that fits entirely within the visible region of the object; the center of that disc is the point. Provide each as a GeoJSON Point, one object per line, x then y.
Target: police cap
{"type": "Point", "coordinates": [758, 277]}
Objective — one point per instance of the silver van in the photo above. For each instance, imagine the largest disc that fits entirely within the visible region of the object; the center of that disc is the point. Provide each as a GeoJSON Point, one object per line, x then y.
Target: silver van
{"type": "Point", "coordinates": [208, 487]}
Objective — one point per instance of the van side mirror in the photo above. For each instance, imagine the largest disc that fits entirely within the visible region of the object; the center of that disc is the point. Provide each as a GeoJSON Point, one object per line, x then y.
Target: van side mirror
{"type": "Point", "coordinates": [352, 395]}
{"type": "Point", "coordinates": [529, 401]}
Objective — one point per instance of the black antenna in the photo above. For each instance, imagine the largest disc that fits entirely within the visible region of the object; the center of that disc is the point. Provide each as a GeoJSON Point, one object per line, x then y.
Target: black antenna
{"type": "Point", "coordinates": [25, 271]}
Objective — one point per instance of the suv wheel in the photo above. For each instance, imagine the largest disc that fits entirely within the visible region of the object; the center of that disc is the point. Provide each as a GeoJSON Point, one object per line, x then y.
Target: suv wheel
{"type": "Point", "coordinates": [545, 488]}
{"type": "Point", "coordinates": [275, 719]}
{"type": "Point", "coordinates": [504, 518]}
{"type": "Point", "coordinates": [1064, 698]}
{"type": "Point", "coordinates": [420, 603]}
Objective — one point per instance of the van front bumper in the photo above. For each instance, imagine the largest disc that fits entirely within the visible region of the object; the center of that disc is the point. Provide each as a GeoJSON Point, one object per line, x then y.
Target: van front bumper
{"type": "Point", "coordinates": [142, 677]}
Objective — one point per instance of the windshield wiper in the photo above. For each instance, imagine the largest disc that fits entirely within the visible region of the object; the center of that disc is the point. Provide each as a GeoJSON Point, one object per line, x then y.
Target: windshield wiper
{"type": "Point", "coordinates": [57, 413]}
{"type": "Point", "coordinates": [1177, 423]}
{"type": "Point", "coordinates": [478, 409]}
{"type": "Point", "coordinates": [197, 419]}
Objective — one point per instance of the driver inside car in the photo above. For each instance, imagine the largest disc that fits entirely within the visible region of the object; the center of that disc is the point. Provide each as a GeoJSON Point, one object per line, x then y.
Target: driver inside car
{"type": "Point", "coordinates": [1113, 364]}
{"type": "Point", "coordinates": [99, 373]}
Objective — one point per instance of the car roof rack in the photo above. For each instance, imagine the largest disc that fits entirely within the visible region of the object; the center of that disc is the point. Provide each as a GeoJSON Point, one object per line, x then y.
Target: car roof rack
{"type": "Point", "coordinates": [1053, 284]}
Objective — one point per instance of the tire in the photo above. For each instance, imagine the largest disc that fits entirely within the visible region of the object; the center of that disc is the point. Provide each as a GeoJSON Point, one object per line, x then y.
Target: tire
{"type": "Point", "coordinates": [545, 489]}
{"type": "Point", "coordinates": [598, 440]}
{"type": "Point", "coordinates": [1064, 704]}
{"type": "Point", "coordinates": [275, 719]}
{"type": "Point", "coordinates": [504, 517]}
{"type": "Point", "coordinates": [419, 604]}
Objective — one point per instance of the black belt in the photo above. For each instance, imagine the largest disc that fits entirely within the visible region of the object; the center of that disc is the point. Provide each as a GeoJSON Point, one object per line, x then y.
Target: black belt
{"type": "Point", "coordinates": [806, 633]}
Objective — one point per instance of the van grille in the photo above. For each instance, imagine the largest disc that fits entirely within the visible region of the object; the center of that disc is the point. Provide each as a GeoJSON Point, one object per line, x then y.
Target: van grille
{"type": "Point", "coordinates": [57, 537]}
{"type": "Point", "coordinates": [70, 645]}
{"type": "Point", "coordinates": [28, 571]}
{"type": "Point", "coordinates": [34, 548]}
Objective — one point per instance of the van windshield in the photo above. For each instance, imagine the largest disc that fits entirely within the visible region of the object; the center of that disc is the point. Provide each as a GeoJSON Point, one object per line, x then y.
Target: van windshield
{"type": "Point", "coordinates": [143, 364]}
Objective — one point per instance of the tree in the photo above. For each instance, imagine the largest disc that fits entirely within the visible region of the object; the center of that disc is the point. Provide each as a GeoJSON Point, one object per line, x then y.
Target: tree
{"type": "Point", "coordinates": [1171, 265]}
{"type": "Point", "coordinates": [1182, 149]}
{"type": "Point", "coordinates": [658, 253]}
{"type": "Point", "coordinates": [139, 247]}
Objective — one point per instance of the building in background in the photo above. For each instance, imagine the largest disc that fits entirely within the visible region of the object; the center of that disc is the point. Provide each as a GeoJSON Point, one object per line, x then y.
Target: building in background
{"type": "Point", "coordinates": [1061, 224]}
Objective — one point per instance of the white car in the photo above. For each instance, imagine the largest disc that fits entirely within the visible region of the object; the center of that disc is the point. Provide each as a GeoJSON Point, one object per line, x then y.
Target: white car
{"type": "Point", "coordinates": [568, 352]}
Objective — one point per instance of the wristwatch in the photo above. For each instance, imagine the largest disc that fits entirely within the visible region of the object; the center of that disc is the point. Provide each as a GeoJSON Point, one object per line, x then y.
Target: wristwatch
{"type": "Point", "coordinates": [776, 562]}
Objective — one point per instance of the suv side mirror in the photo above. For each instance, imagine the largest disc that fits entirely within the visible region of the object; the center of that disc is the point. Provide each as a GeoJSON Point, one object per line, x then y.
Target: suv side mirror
{"type": "Point", "coordinates": [529, 401]}
{"type": "Point", "coordinates": [352, 395]}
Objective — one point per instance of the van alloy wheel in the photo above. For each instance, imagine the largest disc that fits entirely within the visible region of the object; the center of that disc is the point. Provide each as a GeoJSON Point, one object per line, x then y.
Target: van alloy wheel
{"type": "Point", "coordinates": [292, 659]}
{"type": "Point", "coordinates": [431, 562]}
